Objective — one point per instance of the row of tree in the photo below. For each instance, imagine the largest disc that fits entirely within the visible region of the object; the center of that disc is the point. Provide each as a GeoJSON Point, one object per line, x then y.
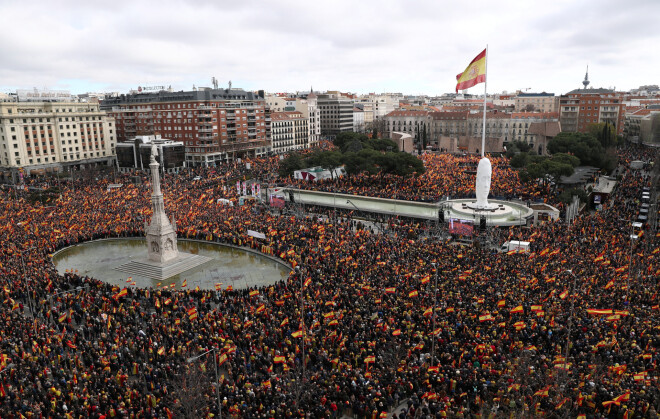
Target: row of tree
{"type": "Point", "coordinates": [567, 151]}
{"type": "Point", "coordinates": [357, 153]}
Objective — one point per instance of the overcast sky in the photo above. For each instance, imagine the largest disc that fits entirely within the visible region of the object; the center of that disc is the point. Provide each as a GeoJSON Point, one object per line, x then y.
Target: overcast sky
{"type": "Point", "coordinates": [407, 46]}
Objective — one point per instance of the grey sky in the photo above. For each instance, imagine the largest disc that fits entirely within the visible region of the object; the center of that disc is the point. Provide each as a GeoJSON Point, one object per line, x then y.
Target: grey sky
{"type": "Point", "coordinates": [410, 46]}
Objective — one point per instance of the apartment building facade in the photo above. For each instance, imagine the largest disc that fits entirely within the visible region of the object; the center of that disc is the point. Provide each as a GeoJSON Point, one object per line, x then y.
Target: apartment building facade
{"type": "Point", "coordinates": [307, 105]}
{"type": "Point", "coordinates": [216, 125]}
{"type": "Point", "coordinates": [536, 102]}
{"type": "Point", "coordinates": [580, 108]}
{"type": "Point", "coordinates": [289, 132]}
{"type": "Point", "coordinates": [39, 137]}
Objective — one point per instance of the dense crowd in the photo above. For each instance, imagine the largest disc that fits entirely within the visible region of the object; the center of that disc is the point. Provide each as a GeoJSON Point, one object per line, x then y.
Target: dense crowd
{"type": "Point", "coordinates": [446, 175]}
{"type": "Point", "coordinates": [495, 345]}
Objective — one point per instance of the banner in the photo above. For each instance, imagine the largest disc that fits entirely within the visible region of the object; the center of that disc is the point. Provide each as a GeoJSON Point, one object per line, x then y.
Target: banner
{"type": "Point", "coordinates": [256, 234]}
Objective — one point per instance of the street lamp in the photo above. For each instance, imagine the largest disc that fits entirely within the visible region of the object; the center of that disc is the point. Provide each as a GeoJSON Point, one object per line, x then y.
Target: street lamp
{"type": "Point", "coordinates": [570, 321]}
{"type": "Point", "coordinates": [435, 293]}
{"type": "Point", "coordinates": [27, 291]}
{"type": "Point", "coordinates": [302, 319]}
{"type": "Point", "coordinates": [217, 385]}
{"type": "Point", "coordinates": [632, 237]}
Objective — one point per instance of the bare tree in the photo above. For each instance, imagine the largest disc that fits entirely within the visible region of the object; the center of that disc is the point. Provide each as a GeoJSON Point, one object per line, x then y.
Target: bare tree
{"type": "Point", "coordinates": [191, 391]}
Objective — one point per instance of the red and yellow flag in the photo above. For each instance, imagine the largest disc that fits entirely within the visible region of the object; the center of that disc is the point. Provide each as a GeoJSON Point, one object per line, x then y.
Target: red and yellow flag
{"type": "Point", "coordinates": [474, 74]}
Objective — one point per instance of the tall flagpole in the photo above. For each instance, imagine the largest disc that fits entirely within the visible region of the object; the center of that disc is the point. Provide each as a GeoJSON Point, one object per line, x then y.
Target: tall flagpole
{"type": "Point", "coordinates": [483, 130]}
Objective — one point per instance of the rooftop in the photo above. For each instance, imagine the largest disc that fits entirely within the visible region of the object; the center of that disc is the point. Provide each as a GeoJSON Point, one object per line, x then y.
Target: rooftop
{"type": "Point", "coordinates": [535, 94]}
{"type": "Point", "coordinates": [590, 91]}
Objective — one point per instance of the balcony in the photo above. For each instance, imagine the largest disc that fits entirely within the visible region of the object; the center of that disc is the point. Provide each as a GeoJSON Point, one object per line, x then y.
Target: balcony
{"type": "Point", "coordinates": [205, 108]}
{"type": "Point", "coordinates": [205, 129]}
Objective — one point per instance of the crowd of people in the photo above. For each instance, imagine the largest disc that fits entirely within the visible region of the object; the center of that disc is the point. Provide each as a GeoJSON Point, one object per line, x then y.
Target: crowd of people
{"type": "Point", "coordinates": [446, 175]}
{"type": "Point", "coordinates": [364, 323]}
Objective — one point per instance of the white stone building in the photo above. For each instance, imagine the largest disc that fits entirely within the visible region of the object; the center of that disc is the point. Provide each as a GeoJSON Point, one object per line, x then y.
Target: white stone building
{"type": "Point", "coordinates": [289, 132]}
{"type": "Point", "coordinates": [49, 136]}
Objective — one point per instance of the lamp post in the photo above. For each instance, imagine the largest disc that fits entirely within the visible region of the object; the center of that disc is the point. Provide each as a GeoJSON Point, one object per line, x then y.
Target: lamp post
{"type": "Point", "coordinates": [27, 291]}
{"type": "Point", "coordinates": [435, 293]}
{"type": "Point", "coordinates": [302, 319]}
{"type": "Point", "coordinates": [570, 321]}
{"type": "Point", "coordinates": [632, 237]}
{"type": "Point", "coordinates": [217, 385]}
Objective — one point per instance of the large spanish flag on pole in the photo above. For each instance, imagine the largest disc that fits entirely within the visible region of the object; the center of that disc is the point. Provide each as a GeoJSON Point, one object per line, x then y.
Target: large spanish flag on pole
{"type": "Point", "coordinates": [474, 74]}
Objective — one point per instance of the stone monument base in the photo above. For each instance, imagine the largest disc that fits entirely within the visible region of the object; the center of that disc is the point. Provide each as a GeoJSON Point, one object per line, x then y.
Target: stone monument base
{"type": "Point", "coordinates": [161, 271]}
{"type": "Point", "coordinates": [476, 207]}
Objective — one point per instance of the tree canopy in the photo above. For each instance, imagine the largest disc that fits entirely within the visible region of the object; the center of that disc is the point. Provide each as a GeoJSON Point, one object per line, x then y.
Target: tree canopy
{"type": "Point", "coordinates": [357, 153]}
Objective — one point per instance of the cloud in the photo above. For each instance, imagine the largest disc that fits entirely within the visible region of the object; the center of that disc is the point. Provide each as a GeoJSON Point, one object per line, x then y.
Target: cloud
{"type": "Point", "coordinates": [416, 46]}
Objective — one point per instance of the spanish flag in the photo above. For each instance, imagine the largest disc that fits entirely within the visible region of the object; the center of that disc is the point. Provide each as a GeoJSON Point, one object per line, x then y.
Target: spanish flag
{"type": "Point", "coordinates": [597, 311]}
{"type": "Point", "coordinates": [413, 294]}
{"type": "Point", "coordinates": [120, 294]}
{"type": "Point", "coordinates": [474, 74]}
{"type": "Point", "coordinates": [254, 293]}
{"type": "Point", "coordinates": [518, 309]}
{"type": "Point", "coordinates": [222, 359]}
{"type": "Point", "coordinates": [279, 359]}
{"type": "Point", "coordinates": [543, 392]}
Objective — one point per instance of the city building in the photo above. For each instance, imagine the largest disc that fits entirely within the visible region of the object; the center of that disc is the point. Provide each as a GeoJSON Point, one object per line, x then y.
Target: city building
{"type": "Point", "coordinates": [536, 102]}
{"type": "Point", "coordinates": [580, 108]}
{"type": "Point", "coordinates": [643, 126]}
{"type": "Point", "coordinates": [407, 122]}
{"type": "Point", "coordinates": [535, 129]}
{"type": "Point", "coordinates": [214, 124]}
{"type": "Point", "coordinates": [305, 104]}
{"type": "Point", "coordinates": [136, 153]}
{"type": "Point", "coordinates": [462, 131]}
{"type": "Point", "coordinates": [336, 112]}
{"type": "Point", "coordinates": [313, 115]}
{"type": "Point", "coordinates": [44, 131]}
{"type": "Point", "coordinates": [358, 119]}
{"type": "Point", "coordinates": [289, 131]}
{"type": "Point", "coordinates": [452, 131]}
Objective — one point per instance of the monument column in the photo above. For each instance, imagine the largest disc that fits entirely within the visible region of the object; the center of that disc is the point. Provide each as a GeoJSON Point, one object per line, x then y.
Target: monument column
{"type": "Point", "coordinates": [161, 236]}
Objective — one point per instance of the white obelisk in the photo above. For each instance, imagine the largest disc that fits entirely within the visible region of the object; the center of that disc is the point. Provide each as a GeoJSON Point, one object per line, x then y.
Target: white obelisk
{"type": "Point", "coordinates": [161, 234]}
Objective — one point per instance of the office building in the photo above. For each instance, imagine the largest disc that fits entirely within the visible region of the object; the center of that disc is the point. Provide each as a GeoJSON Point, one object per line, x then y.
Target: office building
{"type": "Point", "coordinates": [46, 131]}
{"type": "Point", "coordinates": [215, 125]}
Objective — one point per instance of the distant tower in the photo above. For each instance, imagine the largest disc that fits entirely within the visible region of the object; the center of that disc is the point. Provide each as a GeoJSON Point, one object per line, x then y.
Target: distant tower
{"type": "Point", "coordinates": [585, 82]}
